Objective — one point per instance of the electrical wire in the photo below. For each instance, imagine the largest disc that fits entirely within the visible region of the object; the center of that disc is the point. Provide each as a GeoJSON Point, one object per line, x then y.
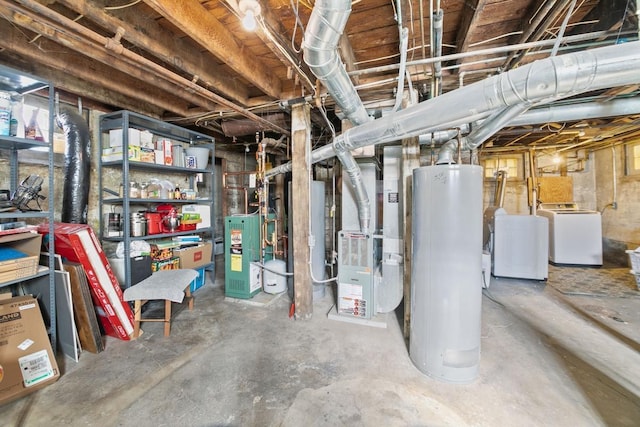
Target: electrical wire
{"type": "Point", "coordinates": [295, 26]}
{"type": "Point", "coordinates": [124, 6]}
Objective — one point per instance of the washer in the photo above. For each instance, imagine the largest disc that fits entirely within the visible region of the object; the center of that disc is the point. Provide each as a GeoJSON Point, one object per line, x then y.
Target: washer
{"type": "Point", "coordinates": [575, 235]}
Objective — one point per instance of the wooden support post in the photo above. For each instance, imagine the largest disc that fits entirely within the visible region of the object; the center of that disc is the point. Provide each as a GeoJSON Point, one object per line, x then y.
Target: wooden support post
{"type": "Point", "coordinates": [301, 140]}
{"type": "Point", "coordinates": [410, 161]}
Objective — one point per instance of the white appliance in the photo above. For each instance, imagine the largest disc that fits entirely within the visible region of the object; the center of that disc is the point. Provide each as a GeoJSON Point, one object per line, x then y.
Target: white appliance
{"type": "Point", "coordinates": [520, 246]}
{"type": "Point", "coordinates": [575, 235]}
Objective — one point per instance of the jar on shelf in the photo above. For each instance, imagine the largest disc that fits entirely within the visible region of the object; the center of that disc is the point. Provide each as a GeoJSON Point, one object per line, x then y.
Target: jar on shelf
{"type": "Point", "coordinates": [144, 190]}
{"type": "Point", "coordinates": [134, 190]}
{"type": "Point", "coordinates": [153, 190]}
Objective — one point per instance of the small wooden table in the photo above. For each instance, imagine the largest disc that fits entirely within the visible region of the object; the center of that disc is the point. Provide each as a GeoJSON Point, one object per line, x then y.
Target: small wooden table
{"type": "Point", "coordinates": [168, 285]}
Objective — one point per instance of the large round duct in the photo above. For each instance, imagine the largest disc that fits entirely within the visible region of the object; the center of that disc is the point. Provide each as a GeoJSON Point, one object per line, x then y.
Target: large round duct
{"type": "Point", "coordinates": [77, 167]}
{"type": "Point", "coordinates": [446, 272]}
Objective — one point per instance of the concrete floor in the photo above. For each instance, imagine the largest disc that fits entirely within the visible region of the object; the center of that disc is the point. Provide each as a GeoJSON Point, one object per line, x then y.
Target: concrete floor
{"type": "Point", "coordinates": [547, 359]}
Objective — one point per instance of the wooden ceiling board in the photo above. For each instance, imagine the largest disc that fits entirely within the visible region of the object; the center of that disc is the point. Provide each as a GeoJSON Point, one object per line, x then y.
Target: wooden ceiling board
{"type": "Point", "coordinates": [371, 30]}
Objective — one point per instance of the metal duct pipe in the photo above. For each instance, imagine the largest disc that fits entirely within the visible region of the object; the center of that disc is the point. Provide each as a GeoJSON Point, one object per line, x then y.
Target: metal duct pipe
{"type": "Point", "coordinates": [322, 35]}
{"type": "Point", "coordinates": [440, 136]}
{"type": "Point", "coordinates": [77, 167]}
{"type": "Point", "coordinates": [437, 41]}
{"type": "Point", "coordinates": [574, 112]}
{"type": "Point", "coordinates": [489, 127]}
{"type": "Point", "coordinates": [558, 113]}
{"type": "Point", "coordinates": [350, 166]}
{"type": "Point", "coordinates": [501, 186]}
{"type": "Point", "coordinates": [404, 44]}
{"type": "Point", "coordinates": [542, 81]}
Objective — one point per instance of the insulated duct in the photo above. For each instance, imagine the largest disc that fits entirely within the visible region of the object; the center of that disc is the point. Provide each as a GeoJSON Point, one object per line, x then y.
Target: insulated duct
{"type": "Point", "coordinates": [323, 33]}
{"type": "Point", "coordinates": [77, 167]}
{"type": "Point", "coordinates": [539, 82]}
{"type": "Point", "coordinates": [321, 38]}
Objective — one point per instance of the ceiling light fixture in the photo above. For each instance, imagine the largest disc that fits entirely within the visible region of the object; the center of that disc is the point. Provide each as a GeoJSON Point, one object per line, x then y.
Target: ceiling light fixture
{"type": "Point", "coordinates": [249, 10]}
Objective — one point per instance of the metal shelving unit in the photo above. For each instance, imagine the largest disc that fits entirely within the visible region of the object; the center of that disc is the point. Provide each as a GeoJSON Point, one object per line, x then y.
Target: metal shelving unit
{"type": "Point", "coordinates": [20, 83]}
{"type": "Point", "coordinates": [128, 168]}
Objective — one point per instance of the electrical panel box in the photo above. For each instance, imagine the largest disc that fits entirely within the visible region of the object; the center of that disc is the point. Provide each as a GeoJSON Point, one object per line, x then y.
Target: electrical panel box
{"type": "Point", "coordinates": [358, 259]}
{"type": "Point", "coordinates": [243, 248]}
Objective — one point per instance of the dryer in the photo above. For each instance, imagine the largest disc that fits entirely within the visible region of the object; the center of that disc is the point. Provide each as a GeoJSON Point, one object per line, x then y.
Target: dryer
{"type": "Point", "coordinates": [575, 235]}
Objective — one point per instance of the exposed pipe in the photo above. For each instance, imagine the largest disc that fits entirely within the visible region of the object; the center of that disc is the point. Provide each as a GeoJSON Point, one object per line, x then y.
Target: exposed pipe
{"type": "Point", "coordinates": [614, 204]}
{"type": "Point", "coordinates": [404, 44]}
{"type": "Point", "coordinates": [324, 29]}
{"type": "Point", "coordinates": [486, 52]}
{"type": "Point", "coordinates": [322, 35]}
{"type": "Point", "coordinates": [489, 127]}
{"type": "Point", "coordinates": [530, 29]}
{"type": "Point", "coordinates": [574, 112]}
{"type": "Point", "coordinates": [501, 186]}
{"type": "Point", "coordinates": [88, 41]}
{"type": "Point", "coordinates": [437, 42]}
{"type": "Point", "coordinates": [563, 27]}
{"type": "Point", "coordinates": [542, 81]}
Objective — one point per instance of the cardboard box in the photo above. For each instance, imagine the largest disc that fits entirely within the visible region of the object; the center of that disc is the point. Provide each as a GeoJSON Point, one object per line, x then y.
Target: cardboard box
{"type": "Point", "coordinates": [159, 156]}
{"type": "Point", "coordinates": [147, 155]}
{"type": "Point", "coordinates": [203, 210]}
{"type": "Point", "coordinates": [26, 360]}
{"type": "Point", "coordinates": [195, 256]}
{"type": "Point", "coordinates": [165, 145]}
{"type": "Point", "coordinates": [115, 137]}
{"type": "Point", "coordinates": [167, 264]}
{"type": "Point", "coordinates": [115, 154]}
{"type": "Point", "coordinates": [146, 139]}
{"type": "Point", "coordinates": [27, 244]}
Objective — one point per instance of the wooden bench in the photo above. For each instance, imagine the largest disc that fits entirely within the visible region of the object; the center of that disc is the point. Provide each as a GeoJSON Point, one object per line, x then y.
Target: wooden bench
{"type": "Point", "coordinates": [168, 285]}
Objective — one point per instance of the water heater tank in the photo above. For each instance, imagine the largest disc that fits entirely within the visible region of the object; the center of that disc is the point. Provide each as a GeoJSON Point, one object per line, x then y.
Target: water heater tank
{"type": "Point", "coordinates": [446, 271]}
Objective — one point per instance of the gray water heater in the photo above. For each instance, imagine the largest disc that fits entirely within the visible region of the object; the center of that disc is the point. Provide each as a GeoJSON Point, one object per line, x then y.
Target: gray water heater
{"type": "Point", "coordinates": [446, 271]}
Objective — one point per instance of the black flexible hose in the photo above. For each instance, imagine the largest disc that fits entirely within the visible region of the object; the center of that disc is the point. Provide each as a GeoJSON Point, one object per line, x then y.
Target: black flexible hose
{"type": "Point", "coordinates": [77, 167]}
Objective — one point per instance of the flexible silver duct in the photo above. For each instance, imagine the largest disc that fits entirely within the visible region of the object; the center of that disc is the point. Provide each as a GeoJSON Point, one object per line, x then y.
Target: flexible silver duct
{"type": "Point", "coordinates": [322, 35]}
{"type": "Point", "coordinates": [540, 82]}
{"type": "Point", "coordinates": [321, 38]}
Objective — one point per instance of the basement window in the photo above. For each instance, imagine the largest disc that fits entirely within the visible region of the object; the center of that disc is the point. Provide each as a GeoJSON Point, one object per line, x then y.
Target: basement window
{"type": "Point", "coordinates": [511, 165]}
{"type": "Point", "coordinates": [632, 154]}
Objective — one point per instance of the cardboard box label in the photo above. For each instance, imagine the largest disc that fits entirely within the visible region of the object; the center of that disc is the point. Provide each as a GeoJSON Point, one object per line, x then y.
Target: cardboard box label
{"type": "Point", "coordinates": [25, 344]}
{"type": "Point", "coordinates": [36, 368]}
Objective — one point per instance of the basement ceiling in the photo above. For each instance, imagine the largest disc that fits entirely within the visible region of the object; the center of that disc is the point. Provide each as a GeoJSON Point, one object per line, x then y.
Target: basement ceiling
{"type": "Point", "coordinates": [192, 62]}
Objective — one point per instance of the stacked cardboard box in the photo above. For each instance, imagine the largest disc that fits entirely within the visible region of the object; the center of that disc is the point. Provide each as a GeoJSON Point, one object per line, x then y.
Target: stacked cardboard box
{"type": "Point", "coordinates": [27, 362]}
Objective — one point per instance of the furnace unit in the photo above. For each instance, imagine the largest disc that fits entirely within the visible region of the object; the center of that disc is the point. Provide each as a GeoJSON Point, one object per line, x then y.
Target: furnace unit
{"type": "Point", "coordinates": [359, 257]}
